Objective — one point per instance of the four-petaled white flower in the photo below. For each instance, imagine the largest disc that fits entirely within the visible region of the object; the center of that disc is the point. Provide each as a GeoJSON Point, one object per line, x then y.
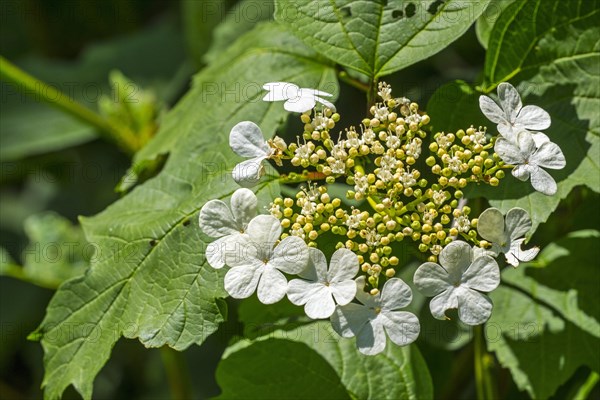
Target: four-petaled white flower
{"type": "Point", "coordinates": [246, 140]}
{"type": "Point", "coordinates": [258, 261]}
{"type": "Point", "coordinates": [377, 315]}
{"type": "Point", "coordinates": [218, 221]}
{"type": "Point", "coordinates": [297, 99]}
{"type": "Point", "coordinates": [512, 117]}
{"type": "Point", "coordinates": [457, 283]}
{"type": "Point", "coordinates": [321, 286]}
{"type": "Point", "coordinates": [505, 234]}
{"type": "Point", "coordinates": [529, 160]}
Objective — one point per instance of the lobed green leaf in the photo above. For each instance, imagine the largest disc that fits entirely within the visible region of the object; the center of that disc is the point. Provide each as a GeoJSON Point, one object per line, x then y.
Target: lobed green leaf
{"type": "Point", "coordinates": [149, 278]}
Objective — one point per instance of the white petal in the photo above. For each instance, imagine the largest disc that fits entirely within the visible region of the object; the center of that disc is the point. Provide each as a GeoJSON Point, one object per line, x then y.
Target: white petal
{"type": "Point", "coordinates": [320, 305]}
{"type": "Point", "coordinates": [240, 282]}
{"type": "Point", "coordinates": [539, 138]}
{"type": "Point", "coordinates": [401, 326]}
{"type": "Point", "coordinates": [300, 104]}
{"type": "Point", "coordinates": [534, 118]}
{"type": "Point", "coordinates": [280, 91]}
{"type": "Point", "coordinates": [442, 302]}
{"type": "Point", "coordinates": [265, 231]}
{"type": "Point", "coordinates": [239, 250]}
{"type": "Point", "coordinates": [474, 308]}
{"type": "Point", "coordinates": [510, 100]}
{"type": "Point", "coordinates": [511, 259]}
{"type": "Point", "coordinates": [522, 172]}
{"type": "Point", "coordinates": [300, 291]}
{"type": "Point", "coordinates": [243, 206]}
{"type": "Point", "coordinates": [490, 226]}
{"type": "Point", "coordinates": [520, 254]}
{"type": "Point", "coordinates": [316, 268]}
{"type": "Point", "coordinates": [348, 320]}
{"type": "Point", "coordinates": [518, 223]}
{"type": "Point", "coordinates": [366, 298]}
{"type": "Point", "coordinates": [342, 266]}
{"type": "Point", "coordinates": [490, 109]}
{"type": "Point", "coordinates": [508, 131]}
{"type": "Point", "coordinates": [508, 151]}
{"type": "Point", "coordinates": [343, 292]}
{"type": "Point", "coordinates": [290, 256]}
{"type": "Point", "coordinates": [313, 92]}
{"type": "Point", "coordinates": [272, 286]}
{"type": "Point", "coordinates": [216, 220]}
{"type": "Point", "coordinates": [526, 144]}
{"type": "Point", "coordinates": [395, 294]}
{"type": "Point", "coordinates": [542, 181]}
{"type": "Point", "coordinates": [371, 339]}
{"type": "Point", "coordinates": [431, 279]}
{"type": "Point", "coordinates": [214, 253]}
{"type": "Point", "coordinates": [455, 258]}
{"type": "Point", "coordinates": [549, 155]}
{"type": "Point", "coordinates": [326, 103]}
{"type": "Point", "coordinates": [246, 139]}
{"type": "Point", "coordinates": [479, 252]}
{"type": "Point", "coordinates": [483, 274]}
{"type": "Point", "coordinates": [248, 173]}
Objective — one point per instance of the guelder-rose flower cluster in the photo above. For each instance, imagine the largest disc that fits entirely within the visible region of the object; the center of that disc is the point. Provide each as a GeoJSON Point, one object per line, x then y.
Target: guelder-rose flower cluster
{"type": "Point", "coordinates": [339, 260]}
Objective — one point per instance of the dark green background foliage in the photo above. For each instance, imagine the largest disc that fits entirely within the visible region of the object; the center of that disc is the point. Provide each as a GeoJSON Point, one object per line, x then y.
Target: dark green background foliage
{"type": "Point", "coordinates": [101, 256]}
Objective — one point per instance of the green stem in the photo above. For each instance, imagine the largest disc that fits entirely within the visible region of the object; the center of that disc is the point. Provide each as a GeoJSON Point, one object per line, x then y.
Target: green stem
{"type": "Point", "coordinates": [177, 373]}
{"type": "Point", "coordinates": [483, 367]}
{"type": "Point", "coordinates": [413, 203]}
{"type": "Point", "coordinates": [587, 387]}
{"type": "Point", "coordinates": [18, 272]}
{"type": "Point", "coordinates": [371, 94]}
{"type": "Point", "coordinates": [38, 89]}
{"type": "Point", "coordinates": [299, 178]}
{"type": "Point", "coordinates": [343, 75]}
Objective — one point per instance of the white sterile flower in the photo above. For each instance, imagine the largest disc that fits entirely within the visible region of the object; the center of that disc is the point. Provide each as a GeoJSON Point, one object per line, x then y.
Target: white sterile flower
{"type": "Point", "coordinates": [218, 221]}
{"type": "Point", "coordinates": [246, 139]}
{"type": "Point", "coordinates": [259, 261]}
{"type": "Point", "coordinates": [376, 316]}
{"type": "Point", "coordinates": [296, 99]}
{"type": "Point", "coordinates": [505, 234]}
{"type": "Point", "coordinates": [529, 160]}
{"type": "Point", "coordinates": [511, 116]}
{"type": "Point", "coordinates": [457, 283]}
{"type": "Point", "coordinates": [320, 286]}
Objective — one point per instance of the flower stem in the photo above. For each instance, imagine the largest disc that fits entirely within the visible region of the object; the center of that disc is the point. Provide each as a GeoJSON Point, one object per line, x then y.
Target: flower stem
{"type": "Point", "coordinates": [299, 178]}
{"type": "Point", "coordinates": [587, 387]}
{"type": "Point", "coordinates": [177, 373]}
{"type": "Point", "coordinates": [38, 89]}
{"type": "Point", "coordinates": [484, 362]}
{"type": "Point", "coordinates": [413, 203]}
{"type": "Point", "coordinates": [343, 75]}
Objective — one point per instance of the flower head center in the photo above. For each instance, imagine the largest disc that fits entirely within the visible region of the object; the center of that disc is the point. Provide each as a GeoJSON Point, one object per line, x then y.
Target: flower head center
{"type": "Point", "coordinates": [377, 310]}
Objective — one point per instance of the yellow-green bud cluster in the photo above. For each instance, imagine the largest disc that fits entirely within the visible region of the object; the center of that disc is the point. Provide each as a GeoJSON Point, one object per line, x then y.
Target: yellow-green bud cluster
{"type": "Point", "coordinates": [380, 163]}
